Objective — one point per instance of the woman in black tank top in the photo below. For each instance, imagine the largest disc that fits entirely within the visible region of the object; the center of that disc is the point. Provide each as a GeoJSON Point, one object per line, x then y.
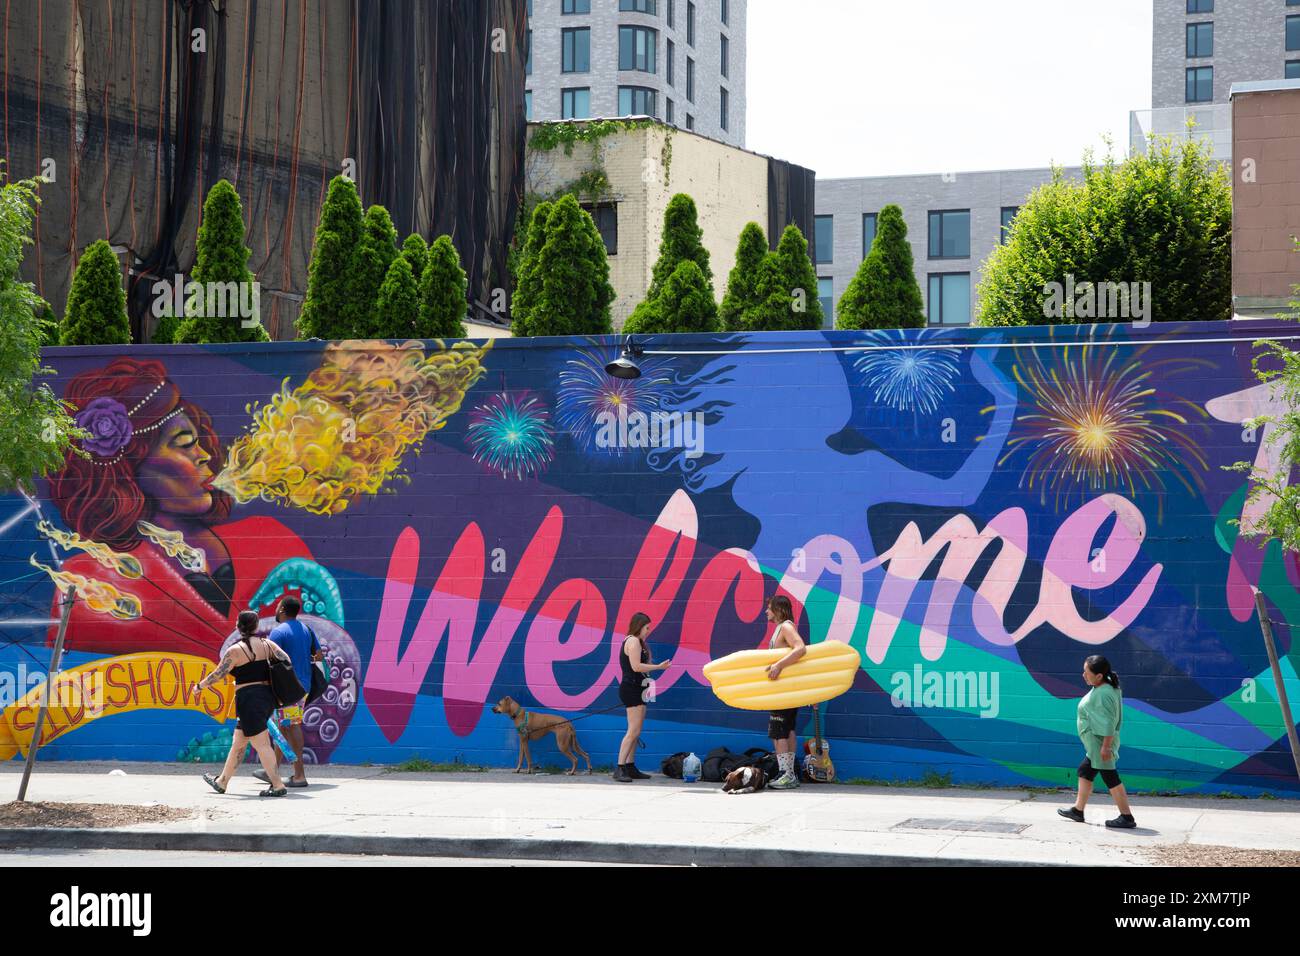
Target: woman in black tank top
{"type": "Point", "coordinates": [630, 688]}
{"type": "Point", "coordinates": [248, 661]}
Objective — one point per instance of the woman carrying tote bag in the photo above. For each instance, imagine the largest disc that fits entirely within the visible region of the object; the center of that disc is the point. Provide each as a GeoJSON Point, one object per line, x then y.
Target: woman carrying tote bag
{"type": "Point", "coordinates": [258, 667]}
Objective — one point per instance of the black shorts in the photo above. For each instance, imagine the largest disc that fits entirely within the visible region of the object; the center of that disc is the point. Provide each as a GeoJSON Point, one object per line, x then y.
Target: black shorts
{"type": "Point", "coordinates": [254, 706]}
{"type": "Point", "coordinates": [1088, 772]}
{"type": "Point", "coordinates": [629, 695]}
{"type": "Point", "coordinates": [781, 723]}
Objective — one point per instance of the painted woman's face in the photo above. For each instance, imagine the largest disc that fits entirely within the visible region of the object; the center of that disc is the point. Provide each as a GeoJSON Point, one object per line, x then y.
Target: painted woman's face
{"type": "Point", "coordinates": [176, 473]}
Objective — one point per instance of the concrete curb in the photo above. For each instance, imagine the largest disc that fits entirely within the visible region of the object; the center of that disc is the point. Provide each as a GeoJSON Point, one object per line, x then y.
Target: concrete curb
{"type": "Point", "coordinates": [496, 848]}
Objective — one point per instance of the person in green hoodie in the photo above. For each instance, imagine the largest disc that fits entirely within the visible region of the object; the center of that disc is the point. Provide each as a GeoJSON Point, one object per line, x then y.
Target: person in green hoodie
{"type": "Point", "coordinates": [1101, 711]}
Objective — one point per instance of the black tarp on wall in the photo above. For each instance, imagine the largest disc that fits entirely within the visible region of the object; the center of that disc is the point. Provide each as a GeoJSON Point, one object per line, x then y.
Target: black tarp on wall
{"type": "Point", "coordinates": [136, 107]}
{"type": "Point", "coordinates": [791, 198]}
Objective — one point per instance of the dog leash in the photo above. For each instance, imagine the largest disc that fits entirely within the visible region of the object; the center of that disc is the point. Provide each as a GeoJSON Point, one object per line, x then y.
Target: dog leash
{"type": "Point", "coordinates": [573, 720]}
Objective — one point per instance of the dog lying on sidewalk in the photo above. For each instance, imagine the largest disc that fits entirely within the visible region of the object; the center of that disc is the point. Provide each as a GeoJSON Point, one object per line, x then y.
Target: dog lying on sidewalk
{"type": "Point", "coordinates": [745, 780]}
{"type": "Point", "coordinates": [535, 727]}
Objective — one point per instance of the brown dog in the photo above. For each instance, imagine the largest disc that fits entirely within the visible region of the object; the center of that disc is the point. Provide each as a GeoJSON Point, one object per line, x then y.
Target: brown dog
{"type": "Point", "coordinates": [535, 727]}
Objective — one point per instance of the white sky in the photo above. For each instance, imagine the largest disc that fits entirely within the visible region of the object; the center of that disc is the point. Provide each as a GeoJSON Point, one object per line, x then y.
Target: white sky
{"type": "Point", "coordinates": [885, 87]}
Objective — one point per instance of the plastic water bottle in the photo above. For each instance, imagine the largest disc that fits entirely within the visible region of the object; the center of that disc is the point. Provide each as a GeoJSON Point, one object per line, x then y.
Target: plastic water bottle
{"type": "Point", "coordinates": [691, 768]}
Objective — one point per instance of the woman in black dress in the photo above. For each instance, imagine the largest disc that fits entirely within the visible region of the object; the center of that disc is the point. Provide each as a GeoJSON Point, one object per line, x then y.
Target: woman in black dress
{"type": "Point", "coordinates": [635, 660]}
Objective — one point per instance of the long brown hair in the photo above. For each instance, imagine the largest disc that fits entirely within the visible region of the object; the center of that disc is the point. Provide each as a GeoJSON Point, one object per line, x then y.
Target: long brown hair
{"type": "Point", "coordinates": [639, 620]}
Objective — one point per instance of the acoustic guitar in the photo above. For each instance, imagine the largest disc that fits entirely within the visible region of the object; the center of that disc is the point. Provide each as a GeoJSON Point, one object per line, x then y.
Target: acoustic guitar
{"type": "Point", "coordinates": [817, 764]}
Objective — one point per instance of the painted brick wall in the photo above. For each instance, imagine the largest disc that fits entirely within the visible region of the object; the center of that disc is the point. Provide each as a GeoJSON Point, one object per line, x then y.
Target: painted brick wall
{"type": "Point", "coordinates": [464, 524]}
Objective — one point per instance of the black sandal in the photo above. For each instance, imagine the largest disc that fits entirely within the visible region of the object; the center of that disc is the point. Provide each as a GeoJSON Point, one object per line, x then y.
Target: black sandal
{"type": "Point", "coordinates": [211, 781]}
{"type": "Point", "coordinates": [268, 792]}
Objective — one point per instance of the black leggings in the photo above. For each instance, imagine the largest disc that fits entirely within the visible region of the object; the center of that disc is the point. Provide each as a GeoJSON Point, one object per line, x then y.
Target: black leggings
{"type": "Point", "coordinates": [1088, 772]}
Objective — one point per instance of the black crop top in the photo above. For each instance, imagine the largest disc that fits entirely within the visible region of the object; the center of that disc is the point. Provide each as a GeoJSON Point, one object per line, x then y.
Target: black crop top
{"type": "Point", "coordinates": [253, 671]}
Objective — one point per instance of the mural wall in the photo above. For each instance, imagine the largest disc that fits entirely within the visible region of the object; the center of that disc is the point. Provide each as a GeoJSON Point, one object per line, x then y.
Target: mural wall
{"type": "Point", "coordinates": [975, 512]}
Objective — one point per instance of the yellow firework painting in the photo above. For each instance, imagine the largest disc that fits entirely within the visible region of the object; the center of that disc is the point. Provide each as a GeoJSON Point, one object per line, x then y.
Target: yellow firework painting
{"type": "Point", "coordinates": [1095, 422]}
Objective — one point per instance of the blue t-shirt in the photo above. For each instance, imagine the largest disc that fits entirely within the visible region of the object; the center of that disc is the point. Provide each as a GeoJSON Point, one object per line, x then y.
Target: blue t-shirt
{"type": "Point", "coordinates": [298, 643]}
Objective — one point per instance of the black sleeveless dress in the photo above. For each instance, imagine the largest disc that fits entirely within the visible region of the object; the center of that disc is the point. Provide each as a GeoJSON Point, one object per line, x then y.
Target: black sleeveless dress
{"type": "Point", "coordinates": [630, 687]}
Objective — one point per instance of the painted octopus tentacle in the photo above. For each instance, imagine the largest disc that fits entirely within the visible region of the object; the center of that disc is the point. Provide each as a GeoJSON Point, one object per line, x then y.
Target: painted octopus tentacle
{"type": "Point", "coordinates": [320, 592]}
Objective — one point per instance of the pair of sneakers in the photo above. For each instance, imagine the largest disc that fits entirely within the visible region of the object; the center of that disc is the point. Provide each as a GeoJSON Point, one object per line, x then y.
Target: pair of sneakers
{"type": "Point", "coordinates": [1124, 821]}
{"type": "Point", "coordinates": [787, 781]}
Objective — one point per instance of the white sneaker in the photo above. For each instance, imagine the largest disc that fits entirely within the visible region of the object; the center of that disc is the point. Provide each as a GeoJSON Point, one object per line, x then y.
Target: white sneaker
{"type": "Point", "coordinates": [787, 781]}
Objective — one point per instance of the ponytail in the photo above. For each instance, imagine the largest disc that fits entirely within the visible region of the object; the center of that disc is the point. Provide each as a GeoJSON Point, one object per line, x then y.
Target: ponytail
{"type": "Point", "coordinates": [247, 624]}
{"type": "Point", "coordinates": [1101, 667]}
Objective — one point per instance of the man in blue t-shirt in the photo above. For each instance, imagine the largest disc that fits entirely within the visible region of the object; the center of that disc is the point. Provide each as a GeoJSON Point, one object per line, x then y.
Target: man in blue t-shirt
{"type": "Point", "coordinates": [298, 641]}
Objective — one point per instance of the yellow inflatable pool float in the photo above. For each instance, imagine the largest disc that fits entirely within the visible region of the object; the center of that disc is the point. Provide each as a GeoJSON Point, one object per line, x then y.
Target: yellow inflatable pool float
{"type": "Point", "coordinates": [826, 671]}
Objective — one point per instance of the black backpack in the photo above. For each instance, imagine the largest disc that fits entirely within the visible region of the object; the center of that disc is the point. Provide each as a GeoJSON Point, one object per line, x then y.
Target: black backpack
{"type": "Point", "coordinates": [672, 765]}
{"type": "Point", "coordinates": [765, 760]}
{"type": "Point", "coordinates": [722, 761]}
{"type": "Point", "coordinates": [711, 769]}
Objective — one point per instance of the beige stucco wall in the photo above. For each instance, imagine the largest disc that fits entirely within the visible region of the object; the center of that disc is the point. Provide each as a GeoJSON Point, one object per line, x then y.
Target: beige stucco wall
{"type": "Point", "coordinates": [729, 187]}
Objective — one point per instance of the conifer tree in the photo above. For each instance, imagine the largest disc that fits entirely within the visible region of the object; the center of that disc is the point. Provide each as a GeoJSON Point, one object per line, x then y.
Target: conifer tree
{"type": "Point", "coordinates": [96, 310]}
{"type": "Point", "coordinates": [884, 294]}
{"type": "Point", "coordinates": [443, 303]}
{"type": "Point", "coordinates": [224, 306]}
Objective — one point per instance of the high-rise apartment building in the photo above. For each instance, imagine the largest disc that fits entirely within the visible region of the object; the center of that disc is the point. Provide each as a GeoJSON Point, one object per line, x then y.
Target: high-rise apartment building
{"type": "Point", "coordinates": [1199, 49]}
{"type": "Point", "coordinates": [680, 61]}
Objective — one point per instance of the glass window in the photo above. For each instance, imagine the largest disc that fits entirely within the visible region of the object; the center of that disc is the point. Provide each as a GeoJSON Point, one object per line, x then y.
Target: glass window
{"type": "Point", "coordinates": [1008, 216]}
{"type": "Point", "coordinates": [636, 49]}
{"type": "Point", "coordinates": [530, 7]}
{"type": "Point", "coordinates": [575, 103]}
{"type": "Point", "coordinates": [575, 6]}
{"type": "Point", "coordinates": [723, 110]}
{"type": "Point", "coordinates": [690, 80]}
{"type": "Point", "coordinates": [672, 10]}
{"type": "Point", "coordinates": [636, 101]}
{"type": "Point", "coordinates": [1293, 33]}
{"type": "Point", "coordinates": [1293, 69]}
{"type": "Point", "coordinates": [690, 121]}
{"type": "Point", "coordinates": [824, 238]}
{"type": "Point", "coordinates": [1200, 39]}
{"type": "Point", "coordinates": [1200, 6]}
{"type": "Point", "coordinates": [950, 234]}
{"type": "Point", "coordinates": [826, 295]}
{"type": "Point", "coordinates": [528, 64]}
{"type": "Point", "coordinates": [576, 53]}
{"type": "Point", "coordinates": [949, 298]}
{"type": "Point", "coordinates": [726, 12]}
{"type": "Point", "coordinates": [672, 58]}
{"type": "Point", "coordinates": [1200, 84]}
{"type": "Point", "coordinates": [638, 6]}
{"type": "Point", "coordinates": [868, 232]}
{"type": "Point", "coordinates": [605, 215]}
{"type": "Point", "coordinates": [668, 113]}
{"type": "Point", "coordinates": [690, 23]}
{"type": "Point", "coordinates": [724, 56]}
{"type": "Point", "coordinates": [528, 104]}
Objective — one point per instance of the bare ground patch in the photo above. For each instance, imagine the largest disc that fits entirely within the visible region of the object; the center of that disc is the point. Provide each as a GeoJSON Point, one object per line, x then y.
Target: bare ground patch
{"type": "Point", "coordinates": [28, 814]}
{"type": "Point", "coordinates": [1191, 854]}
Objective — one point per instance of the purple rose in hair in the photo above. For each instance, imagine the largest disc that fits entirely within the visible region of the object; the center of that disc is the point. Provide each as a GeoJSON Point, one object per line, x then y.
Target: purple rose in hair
{"type": "Point", "coordinates": [109, 426]}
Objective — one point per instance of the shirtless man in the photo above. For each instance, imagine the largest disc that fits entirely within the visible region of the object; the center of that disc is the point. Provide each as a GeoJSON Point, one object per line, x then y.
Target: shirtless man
{"type": "Point", "coordinates": [781, 724]}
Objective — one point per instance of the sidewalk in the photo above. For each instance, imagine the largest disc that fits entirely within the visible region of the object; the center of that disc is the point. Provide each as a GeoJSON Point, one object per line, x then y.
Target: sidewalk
{"type": "Point", "coordinates": [502, 815]}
